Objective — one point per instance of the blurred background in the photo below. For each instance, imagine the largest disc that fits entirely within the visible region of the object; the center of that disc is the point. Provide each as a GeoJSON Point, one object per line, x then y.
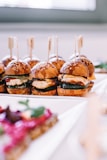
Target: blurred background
{"type": "Point", "coordinates": [66, 19]}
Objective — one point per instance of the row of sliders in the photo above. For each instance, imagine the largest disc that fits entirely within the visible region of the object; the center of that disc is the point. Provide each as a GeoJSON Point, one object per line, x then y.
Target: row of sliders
{"type": "Point", "coordinates": [52, 77]}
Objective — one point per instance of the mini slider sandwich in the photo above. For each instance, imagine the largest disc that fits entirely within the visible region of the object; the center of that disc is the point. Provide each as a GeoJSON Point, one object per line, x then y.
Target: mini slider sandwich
{"type": "Point", "coordinates": [74, 79]}
{"type": "Point", "coordinates": [10, 57]}
{"type": "Point", "coordinates": [55, 59]}
{"type": "Point", "coordinates": [17, 77]}
{"type": "Point", "coordinates": [31, 60]}
{"type": "Point", "coordinates": [44, 79]}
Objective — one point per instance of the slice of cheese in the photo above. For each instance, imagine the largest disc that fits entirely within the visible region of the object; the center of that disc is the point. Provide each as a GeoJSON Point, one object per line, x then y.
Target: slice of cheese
{"type": "Point", "coordinates": [72, 79]}
{"type": "Point", "coordinates": [42, 84]}
{"type": "Point", "coordinates": [14, 82]}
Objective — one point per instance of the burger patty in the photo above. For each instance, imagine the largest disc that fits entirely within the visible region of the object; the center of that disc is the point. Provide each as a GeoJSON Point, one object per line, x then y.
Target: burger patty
{"type": "Point", "coordinates": [46, 89]}
{"type": "Point", "coordinates": [44, 83]}
{"type": "Point", "coordinates": [72, 82]}
{"type": "Point", "coordinates": [71, 86]}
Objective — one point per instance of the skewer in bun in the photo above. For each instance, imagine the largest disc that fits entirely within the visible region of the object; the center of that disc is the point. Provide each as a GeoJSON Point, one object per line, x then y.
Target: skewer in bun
{"type": "Point", "coordinates": [44, 77]}
{"type": "Point", "coordinates": [32, 61]}
{"type": "Point", "coordinates": [9, 58]}
{"type": "Point", "coordinates": [83, 58]}
{"type": "Point", "coordinates": [17, 76]}
{"type": "Point", "coordinates": [55, 59]}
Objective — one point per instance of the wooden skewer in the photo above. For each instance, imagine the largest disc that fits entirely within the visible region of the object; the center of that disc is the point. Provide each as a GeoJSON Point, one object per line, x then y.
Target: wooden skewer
{"type": "Point", "coordinates": [75, 50]}
{"type": "Point", "coordinates": [56, 47]}
{"type": "Point", "coordinates": [10, 45]}
{"type": "Point", "coordinates": [53, 44]}
{"type": "Point", "coordinates": [30, 46]}
{"type": "Point", "coordinates": [49, 47]}
{"type": "Point", "coordinates": [17, 47]}
{"type": "Point", "coordinates": [80, 43]}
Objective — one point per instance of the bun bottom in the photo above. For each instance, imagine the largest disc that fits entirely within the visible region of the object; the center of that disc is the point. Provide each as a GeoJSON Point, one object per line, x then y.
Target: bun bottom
{"type": "Point", "coordinates": [74, 92]}
{"type": "Point", "coordinates": [47, 93]}
{"type": "Point", "coordinates": [18, 90]}
{"type": "Point", "coordinates": [2, 88]}
{"type": "Point", "coordinates": [90, 85]}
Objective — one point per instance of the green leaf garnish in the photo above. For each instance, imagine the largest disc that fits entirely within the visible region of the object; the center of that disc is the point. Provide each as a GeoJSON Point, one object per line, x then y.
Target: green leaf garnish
{"type": "Point", "coordinates": [25, 103]}
{"type": "Point", "coordinates": [102, 65]}
{"type": "Point", "coordinates": [1, 130]}
{"type": "Point", "coordinates": [37, 111]}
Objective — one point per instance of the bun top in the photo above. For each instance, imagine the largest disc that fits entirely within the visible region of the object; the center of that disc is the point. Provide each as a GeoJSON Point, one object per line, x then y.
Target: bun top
{"type": "Point", "coordinates": [86, 61]}
{"type": "Point", "coordinates": [77, 55]}
{"type": "Point", "coordinates": [44, 70]}
{"type": "Point", "coordinates": [1, 68]}
{"type": "Point", "coordinates": [6, 60]}
{"type": "Point", "coordinates": [76, 68]}
{"type": "Point", "coordinates": [89, 64]}
{"type": "Point", "coordinates": [54, 56]}
{"type": "Point", "coordinates": [17, 68]}
{"type": "Point", "coordinates": [57, 62]}
{"type": "Point", "coordinates": [32, 62]}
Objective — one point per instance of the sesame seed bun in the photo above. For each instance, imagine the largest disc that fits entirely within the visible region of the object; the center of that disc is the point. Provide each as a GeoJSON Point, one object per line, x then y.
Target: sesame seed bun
{"type": "Point", "coordinates": [89, 64]}
{"type": "Point", "coordinates": [75, 68]}
{"type": "Point", "coordinates": [32, 62]}
{"type": "Point", "coordinates": [6, 60]}
{"type": "Point", "coordinates": [43, 70]}
{"type": "Point", "coordinates": [47, 93]}
{"type": "Point", "coordinates": [18, 90]}
{"type": "Point", "coordinates": [57, 62]}
{"type": "Point", "coordinates": [17, 68]}
{"type": "Point", "coordinates": [85, 60]}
